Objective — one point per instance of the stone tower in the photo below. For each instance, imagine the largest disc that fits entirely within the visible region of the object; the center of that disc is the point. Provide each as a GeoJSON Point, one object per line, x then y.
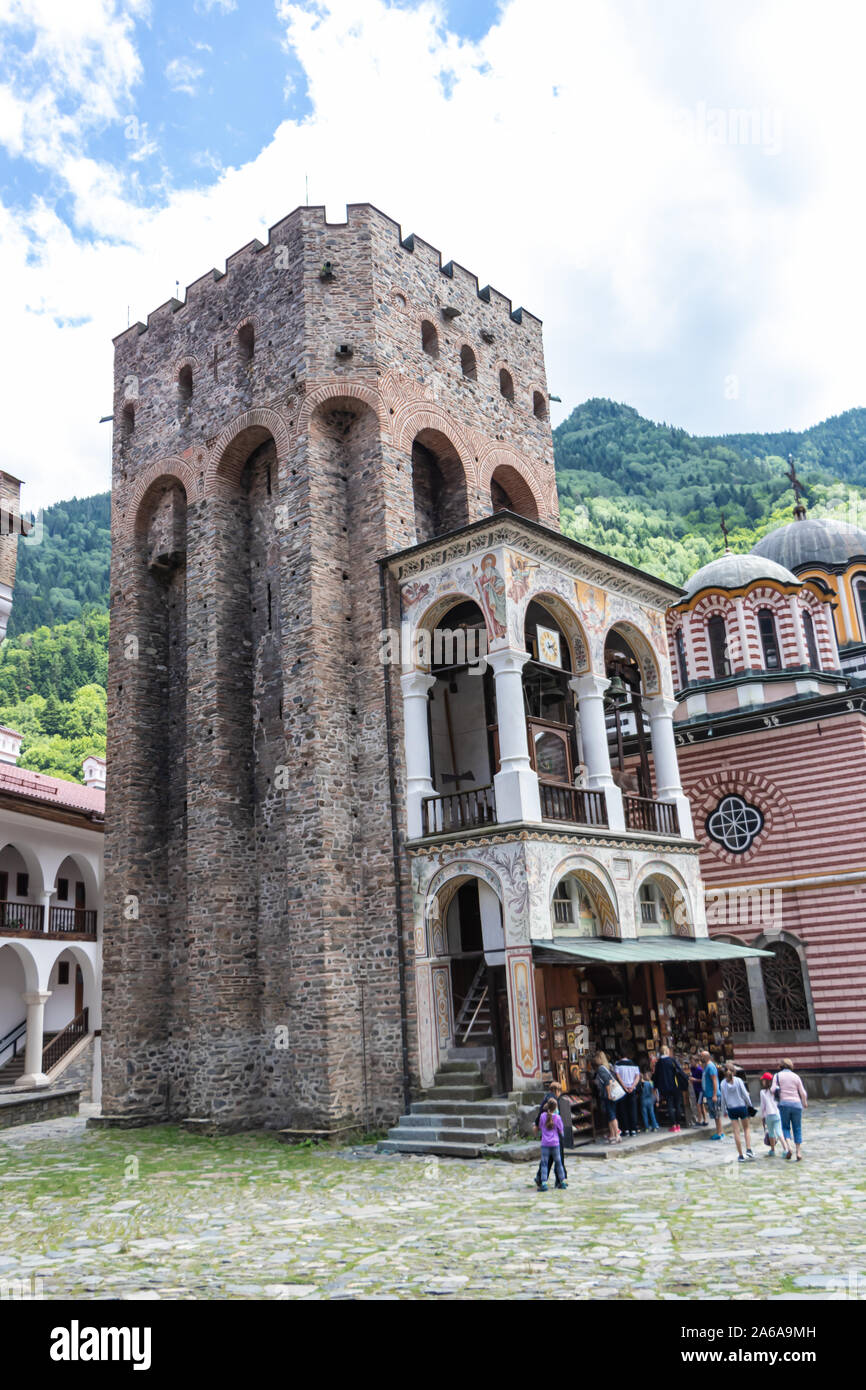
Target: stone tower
{"type": "Point", "coordinates": [331, 397]}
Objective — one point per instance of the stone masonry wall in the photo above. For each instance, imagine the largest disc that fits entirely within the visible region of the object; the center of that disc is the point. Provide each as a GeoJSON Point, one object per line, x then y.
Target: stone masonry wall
{"type": "Point", "coordinates": [249, 789]}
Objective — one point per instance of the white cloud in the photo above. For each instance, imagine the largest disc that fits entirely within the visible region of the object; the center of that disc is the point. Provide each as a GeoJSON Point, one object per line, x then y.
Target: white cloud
{"type": "Point", "coordinates": [183, 75]}
{"type": "Point", "coordinates": [571, 158]}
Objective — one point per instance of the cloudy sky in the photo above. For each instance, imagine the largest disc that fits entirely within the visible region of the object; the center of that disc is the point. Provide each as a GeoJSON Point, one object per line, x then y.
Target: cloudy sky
{"type": "Point", "coordinates": [676, 189]}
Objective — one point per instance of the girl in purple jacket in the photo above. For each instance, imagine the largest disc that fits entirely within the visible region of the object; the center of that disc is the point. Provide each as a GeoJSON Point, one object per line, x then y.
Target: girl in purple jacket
{"type": "Point", "coordinates": [551, 1135]}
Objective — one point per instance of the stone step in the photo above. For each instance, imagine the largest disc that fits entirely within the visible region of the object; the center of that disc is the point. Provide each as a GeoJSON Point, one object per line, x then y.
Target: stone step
{"type": "Point", "coordinates": [477, 1092]}
{"type": "Point", "coordinates": [446, 1068]}
{"type": "Point", "coordinates": [441, 1150]}
{"type": "Point", "coordinates": [505, 1108]}
{"type": "Point", "coordinates": [470, 1120]}
{"type": "Point", "coordinates": [407, 1135]}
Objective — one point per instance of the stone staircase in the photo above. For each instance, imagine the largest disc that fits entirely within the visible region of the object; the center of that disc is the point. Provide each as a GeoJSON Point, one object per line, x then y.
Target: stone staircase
{"type": "Point", "coordinates": [14, 1068]}
{"type": "Point", "coordinates": [457, 1118]}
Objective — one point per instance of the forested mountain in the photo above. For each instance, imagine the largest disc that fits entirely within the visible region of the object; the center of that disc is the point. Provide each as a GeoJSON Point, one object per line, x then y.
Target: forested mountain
{"type": "Point", "coordinates": [63, 566]}
{"type": "Point", "coordinates": [647, 493]}
{"type": "Point", "coordinates": [53, 691]}
{"type": "Point", "coordinates": [653, 494]}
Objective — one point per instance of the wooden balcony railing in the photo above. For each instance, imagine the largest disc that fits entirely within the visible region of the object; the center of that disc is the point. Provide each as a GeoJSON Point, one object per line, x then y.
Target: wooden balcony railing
{"type": "Point", "coordinates": [73, 919]}
{"type": "Point", "coordinates": [458, 811]}
{"type": "Point", "coordinates": [660, 817]}
{"type": "Point", "coordinates": [61, 1043]}
{"type": "Point", "coordinates": [21, 917]}
{"type": "Point", "coordinates": [578, 805]}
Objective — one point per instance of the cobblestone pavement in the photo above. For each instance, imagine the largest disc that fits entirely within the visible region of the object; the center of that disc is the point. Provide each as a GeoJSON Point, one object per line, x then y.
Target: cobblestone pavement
{"type": "Point", "coordinates": [160, 1213]}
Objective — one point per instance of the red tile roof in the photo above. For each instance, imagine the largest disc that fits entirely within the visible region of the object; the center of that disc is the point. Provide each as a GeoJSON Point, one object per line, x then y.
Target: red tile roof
{"type": "Point", "coordinates": [55, 791]}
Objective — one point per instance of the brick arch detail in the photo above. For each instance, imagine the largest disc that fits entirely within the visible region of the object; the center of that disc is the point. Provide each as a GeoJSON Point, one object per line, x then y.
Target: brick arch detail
{"type": "Point", "coordinates": [189, 361]}
{"type": "Point", "coordinates": [777, 810]}
{"type": "Point", "coordinates": [227, 459]}
{"type": "Point", "coordinates": [164, 470]}
{"type": "Point", "coordinates": [710, 604]}
{"type": "Point", "coordinates": [495, 457]}
{"type": "Point", "coordinates": [248, 321]}
{"type": "Point", "coordinates": [412, 418]}
{"type": "Point", "coordinates": [335, 390]}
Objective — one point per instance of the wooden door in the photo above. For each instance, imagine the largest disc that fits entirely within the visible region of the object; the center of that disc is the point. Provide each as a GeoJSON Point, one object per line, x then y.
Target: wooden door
{"type": "Point", "coordinates": [79, 991]}
{"type": "Point", "coordinates": [80, 903]}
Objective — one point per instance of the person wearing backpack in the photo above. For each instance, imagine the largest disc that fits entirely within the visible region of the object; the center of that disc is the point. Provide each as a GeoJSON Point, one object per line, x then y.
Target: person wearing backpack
{"type": "Point", "coordinates": [609, 1092]}
{"type": "Point", "coordinates": [738, 1104]}
{"type": "Point", "coordinates": [669, 1080]}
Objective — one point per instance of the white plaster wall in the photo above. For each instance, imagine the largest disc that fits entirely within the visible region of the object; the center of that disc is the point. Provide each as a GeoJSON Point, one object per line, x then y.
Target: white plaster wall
{"type": "Point", "coordinates": [12, 985]}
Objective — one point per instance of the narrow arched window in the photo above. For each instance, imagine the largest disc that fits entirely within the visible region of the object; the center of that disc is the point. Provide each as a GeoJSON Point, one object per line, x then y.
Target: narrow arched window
{"type": "Point", "coordinates": [717, 635]}
{"type": "Point", "coordinates": [539, 405]}
{"type": "Point", "coordinates": [127, 422]}
{"type": "Point", "coordinates": [679, 642]}
{"type": "Point", "coordinates": [246, 343]}
{"type": "Point", "coordinates": [429, 339]}
{"type": "Point", "coordinates": [860, 591]}
{"type": "Point", "coordinates": [735, 983]}
{"type": "Point", "coordinates": [506, 385]}
{"type": "Point", "coordinates": [468, 364]}
{"type": "Point", "coordinates": [785, 989]}
{"type": "Point", "coordinates": [769, 640]}
{"type": "Point", "coordinates": [811, 644]}
{"type": "Point", "coordinates": [184, 385]}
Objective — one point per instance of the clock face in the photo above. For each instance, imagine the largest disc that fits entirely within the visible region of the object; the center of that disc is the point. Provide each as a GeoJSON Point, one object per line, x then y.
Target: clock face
{"type": "Point", "coordinates": [548, 646]}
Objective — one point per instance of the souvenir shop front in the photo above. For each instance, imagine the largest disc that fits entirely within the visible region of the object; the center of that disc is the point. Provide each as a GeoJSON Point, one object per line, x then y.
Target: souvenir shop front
{"type": "Point", "coordinates": [628, 999]}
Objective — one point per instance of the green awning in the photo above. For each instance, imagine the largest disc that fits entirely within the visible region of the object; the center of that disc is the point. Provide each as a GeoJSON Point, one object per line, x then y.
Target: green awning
{"type": "Point", "coordinates": [656, 948]}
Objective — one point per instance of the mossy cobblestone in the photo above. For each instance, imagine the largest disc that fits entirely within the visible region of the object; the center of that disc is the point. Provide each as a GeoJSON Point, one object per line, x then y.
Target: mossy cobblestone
{"type": "Point", "coordinates": [161, 1213]}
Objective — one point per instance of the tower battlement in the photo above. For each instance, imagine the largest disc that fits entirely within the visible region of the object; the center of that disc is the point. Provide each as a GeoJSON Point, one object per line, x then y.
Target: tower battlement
{"type": "Point", "coordinates": [356, 215]}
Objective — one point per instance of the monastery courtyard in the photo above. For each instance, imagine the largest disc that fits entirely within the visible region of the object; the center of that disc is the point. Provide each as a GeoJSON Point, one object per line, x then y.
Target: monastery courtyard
{"type": "Point", "coordinates": [159, 1213]}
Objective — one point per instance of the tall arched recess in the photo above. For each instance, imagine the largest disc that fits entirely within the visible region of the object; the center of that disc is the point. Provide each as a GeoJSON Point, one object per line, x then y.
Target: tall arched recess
{"type": "Point", "coordinates": [146, 870]}
{"type": "Point", "coordinates": [342, 886]}
{"type": "Point", "coordinates": [237, 829]}
{"type": "Point", "coordinates": [438, 486]}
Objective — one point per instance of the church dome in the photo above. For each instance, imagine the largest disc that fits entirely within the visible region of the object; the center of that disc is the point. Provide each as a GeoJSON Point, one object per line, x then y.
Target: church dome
{"type": "Point", "coordinates": [735, 571]}
{"type": "Point", "coordinates": [813, 541]}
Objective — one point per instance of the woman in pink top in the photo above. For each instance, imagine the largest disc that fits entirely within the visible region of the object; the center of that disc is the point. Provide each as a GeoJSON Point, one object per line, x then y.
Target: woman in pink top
{"type": "Point", "coordinates": [790, 1096]}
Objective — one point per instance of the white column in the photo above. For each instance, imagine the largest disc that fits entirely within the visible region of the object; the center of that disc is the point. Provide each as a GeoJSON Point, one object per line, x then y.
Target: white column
{"type": "Point", "coordinates": [667, 771]}
{"type": "Point", "coordinates": [416, 743]}
{"type": "Point", "coordinates": [46, 910]}
{"type": "Point", "coordinates": [590, 691]}
{"type": "Point", "coordinates": [516, 784]}
{"type": "Point", "coordinates": [33, 1073]}
{"type": "Point", "coordinates": [799, 636]}
{"type": "Point", "coordinates": [845, 610]}
{"type": "Point", "coordinates": [743, 632]}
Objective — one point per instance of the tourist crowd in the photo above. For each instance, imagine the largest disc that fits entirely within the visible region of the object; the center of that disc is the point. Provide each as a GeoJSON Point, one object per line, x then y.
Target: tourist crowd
{"type": "Point", "coordinates": [629, 1096]}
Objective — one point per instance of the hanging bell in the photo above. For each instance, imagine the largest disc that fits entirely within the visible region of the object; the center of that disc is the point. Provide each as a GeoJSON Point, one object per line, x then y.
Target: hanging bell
{"type": "Point", "coordinates": [616, 692]}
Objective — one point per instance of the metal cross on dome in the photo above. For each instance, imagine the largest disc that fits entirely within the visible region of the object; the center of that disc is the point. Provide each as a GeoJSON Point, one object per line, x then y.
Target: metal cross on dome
{"type": "Point", "coordinates": [794, 480]}
{"type": "Point", "coordinates": [735, 824]}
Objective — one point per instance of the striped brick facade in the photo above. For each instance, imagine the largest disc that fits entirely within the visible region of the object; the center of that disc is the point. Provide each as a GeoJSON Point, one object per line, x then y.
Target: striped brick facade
{"type": "Point", "coordinates": [808, 780]}
{"type": "Point", "coordinates": [740, 612]}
